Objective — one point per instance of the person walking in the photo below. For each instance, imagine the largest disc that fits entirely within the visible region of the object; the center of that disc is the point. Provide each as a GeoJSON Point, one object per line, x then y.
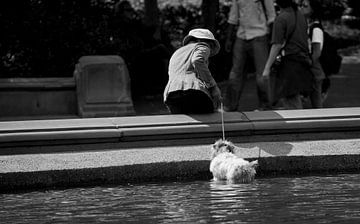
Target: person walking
{"type": "Point", "coordinates": [252, 19]}
{"type": "Point", "coordinates": [290, 39]}
{"type": "Point", "coordinates": [312, 11]}
{"type": "Point", "coordinates": [191, 88]}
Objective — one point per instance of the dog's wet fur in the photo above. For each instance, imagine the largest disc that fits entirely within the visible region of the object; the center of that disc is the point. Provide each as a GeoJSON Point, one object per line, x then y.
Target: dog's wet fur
{"type": "Point", "coordinates": [226, 166]}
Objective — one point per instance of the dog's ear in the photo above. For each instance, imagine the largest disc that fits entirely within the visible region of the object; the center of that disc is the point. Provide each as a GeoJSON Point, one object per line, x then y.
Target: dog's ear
{"type": "Point", "coordinates": [217, 144]}
{"type": "Point", "coordinates": [214, 149]}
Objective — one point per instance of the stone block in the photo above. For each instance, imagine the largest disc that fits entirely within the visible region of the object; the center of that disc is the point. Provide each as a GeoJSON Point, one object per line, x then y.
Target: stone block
{"type": "Point", "coordinates": [103, 87]}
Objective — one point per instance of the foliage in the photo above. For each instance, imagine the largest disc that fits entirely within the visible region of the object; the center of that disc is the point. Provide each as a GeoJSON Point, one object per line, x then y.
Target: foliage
{"type": "Point", "coordinates": [353, 14]}
{"type": "Point", "coordinates": [45, 38]}
{"type": "Point", "coordinates": [355, 7]}
{"type": "Point", "coordinates": [333, 9]}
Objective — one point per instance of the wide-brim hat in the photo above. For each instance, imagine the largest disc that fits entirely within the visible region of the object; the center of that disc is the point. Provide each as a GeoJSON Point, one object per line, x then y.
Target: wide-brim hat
{"type": "Point", "coordinates": [203, 34]}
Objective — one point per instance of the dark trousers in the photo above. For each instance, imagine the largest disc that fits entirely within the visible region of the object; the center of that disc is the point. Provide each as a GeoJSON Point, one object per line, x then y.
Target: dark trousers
{"type": "Point", "coordinates": [189, 102]}
{"type": "Point", "coordinates": [256, 49]}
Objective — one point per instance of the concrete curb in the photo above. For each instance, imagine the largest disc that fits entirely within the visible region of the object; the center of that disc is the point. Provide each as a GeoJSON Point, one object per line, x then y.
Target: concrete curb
{"type": "Point", "coordinates": [171, 163]}
{"type": "Point", "coordinates": [170, 171]}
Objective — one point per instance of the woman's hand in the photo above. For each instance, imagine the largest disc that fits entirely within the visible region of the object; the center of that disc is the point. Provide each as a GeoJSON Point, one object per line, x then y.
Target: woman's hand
{"type": "Point", "coordinates": [216, 96]}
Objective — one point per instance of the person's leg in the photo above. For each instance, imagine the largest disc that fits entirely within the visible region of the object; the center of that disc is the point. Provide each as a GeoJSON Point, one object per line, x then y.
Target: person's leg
{"type": "Point", "coordinates": [325, 88]}
{"type": "Point", "coordinates": [315, 95]}
{"type": "Point", "coordinates": [260, 50]}
{"type": "Point", "coordinates": [295, 79]}
{"type": "Point", "coordinates": [292, 102]}
{"type": "Point", "coordinates": [237, 77]}
{"type": "Point", "coordinates": [174, 102]}
{"type": "Point", "coordinates": [198, 102]}
{"type": "Point", "coordinates": [189, 102]}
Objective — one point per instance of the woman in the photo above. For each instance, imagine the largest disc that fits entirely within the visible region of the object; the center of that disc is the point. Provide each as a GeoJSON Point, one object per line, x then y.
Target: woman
{"type": "Point", "coordinates": [312, 11]}
{"type": "Point", "coordinates": [191, 89]}
{"type": "Point", "coordinates": [290, 37]}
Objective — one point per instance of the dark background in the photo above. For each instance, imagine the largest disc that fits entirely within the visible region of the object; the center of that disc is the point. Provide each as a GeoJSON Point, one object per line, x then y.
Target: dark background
{"type": "Point", "coordinates": [45, 38]}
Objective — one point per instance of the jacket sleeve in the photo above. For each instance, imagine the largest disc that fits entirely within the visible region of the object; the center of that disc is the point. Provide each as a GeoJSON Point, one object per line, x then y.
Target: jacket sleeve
{"type": "Point", "coordinates": [199, 61]}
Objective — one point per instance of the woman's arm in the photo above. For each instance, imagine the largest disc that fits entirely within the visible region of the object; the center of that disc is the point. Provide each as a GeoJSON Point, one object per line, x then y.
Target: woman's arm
{"type": "Point", "coordinates": [199, 60]}
{"type": "Point", "coordinates": [316, 52]}
{"type": "Point", "coordinates": [316, 41]}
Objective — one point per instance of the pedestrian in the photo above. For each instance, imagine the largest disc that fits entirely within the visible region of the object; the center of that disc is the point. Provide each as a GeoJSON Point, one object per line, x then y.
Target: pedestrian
{"type": "Point", "coordinates": [312, 11]}
{"type": "Point", "coordinates": [290, 39]}
{"type": "Point", "coordinates": [191, 88]}
{"type": "Point", "coordinates": [251, 45]}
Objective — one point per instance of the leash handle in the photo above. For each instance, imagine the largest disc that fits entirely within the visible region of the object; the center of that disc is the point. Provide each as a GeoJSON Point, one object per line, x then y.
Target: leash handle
{"type": "Point", "coordinates": [222, 120]}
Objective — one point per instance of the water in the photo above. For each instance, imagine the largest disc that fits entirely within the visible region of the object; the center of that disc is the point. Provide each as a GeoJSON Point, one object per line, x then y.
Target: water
{"type": "Point", "coordinates": [310, 199]}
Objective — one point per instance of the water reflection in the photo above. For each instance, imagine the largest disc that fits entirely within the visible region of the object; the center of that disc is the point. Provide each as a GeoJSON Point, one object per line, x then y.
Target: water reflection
{"type": "Point", "coordinates": [315, 199]}
{"type": "Point", "coordinates": [230, 201]}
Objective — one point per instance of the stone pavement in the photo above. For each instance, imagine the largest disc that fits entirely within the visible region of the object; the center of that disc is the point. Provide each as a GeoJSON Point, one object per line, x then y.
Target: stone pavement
{"type": "Point", "coordinates": [118, 150]}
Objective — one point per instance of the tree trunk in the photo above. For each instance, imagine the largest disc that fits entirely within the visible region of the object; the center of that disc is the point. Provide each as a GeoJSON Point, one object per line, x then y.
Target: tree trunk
{"type": "Point", "coordinates": [209, 9]}
{"type": "Point", "coordinates": [151, 13]}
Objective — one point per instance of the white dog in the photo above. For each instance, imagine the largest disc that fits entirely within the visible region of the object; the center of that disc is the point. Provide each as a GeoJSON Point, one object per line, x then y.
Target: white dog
{"type": "Point", "coordinates": [225, 165]}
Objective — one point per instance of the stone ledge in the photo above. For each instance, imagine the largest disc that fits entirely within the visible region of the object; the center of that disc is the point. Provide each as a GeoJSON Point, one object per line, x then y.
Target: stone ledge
{"type": "Point", "coordinates": [176, 126]}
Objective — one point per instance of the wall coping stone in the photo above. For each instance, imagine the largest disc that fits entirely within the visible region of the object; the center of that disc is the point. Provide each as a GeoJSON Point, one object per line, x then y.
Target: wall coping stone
{"type": "Point", "coordinates": [37, 83]}
{"type": "Point", "coordinates": [163, 126]}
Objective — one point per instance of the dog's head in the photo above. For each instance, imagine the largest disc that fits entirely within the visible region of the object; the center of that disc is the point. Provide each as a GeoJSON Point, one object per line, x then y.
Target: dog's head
{"type": "Point", "coordinates": [221, 146]}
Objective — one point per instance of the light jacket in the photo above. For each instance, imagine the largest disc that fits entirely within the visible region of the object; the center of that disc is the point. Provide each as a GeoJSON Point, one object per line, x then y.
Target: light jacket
{"type": "Point", "coordinates": [188, 69]}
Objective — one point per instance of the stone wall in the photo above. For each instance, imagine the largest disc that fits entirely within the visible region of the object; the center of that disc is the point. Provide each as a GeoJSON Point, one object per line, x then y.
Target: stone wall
{"type": "Point", "coordinates": [28, 97]}
{"type": "Point", "coordinates": [100, 88]}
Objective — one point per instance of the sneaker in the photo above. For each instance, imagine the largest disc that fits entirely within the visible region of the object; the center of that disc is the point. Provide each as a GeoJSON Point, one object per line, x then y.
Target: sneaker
{"type": "Point", "coordinates": [324, 95]}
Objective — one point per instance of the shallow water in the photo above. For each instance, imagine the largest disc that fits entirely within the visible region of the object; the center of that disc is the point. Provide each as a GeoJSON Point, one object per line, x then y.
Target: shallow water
{"type": "Point", "coordinates": [310, 199]}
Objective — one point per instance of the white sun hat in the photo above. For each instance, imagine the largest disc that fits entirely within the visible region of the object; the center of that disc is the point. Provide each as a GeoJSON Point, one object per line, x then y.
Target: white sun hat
{"type": "Point", "coordinates": [203, 34]}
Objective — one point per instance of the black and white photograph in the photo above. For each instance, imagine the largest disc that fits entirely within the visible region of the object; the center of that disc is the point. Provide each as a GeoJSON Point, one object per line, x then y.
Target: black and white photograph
{"type": "Point", "coordinates": [180, 111]}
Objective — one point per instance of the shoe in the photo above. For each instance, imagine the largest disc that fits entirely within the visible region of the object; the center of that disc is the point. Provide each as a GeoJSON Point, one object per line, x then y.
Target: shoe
{"type": "Point", "coordinates": [324, 95]}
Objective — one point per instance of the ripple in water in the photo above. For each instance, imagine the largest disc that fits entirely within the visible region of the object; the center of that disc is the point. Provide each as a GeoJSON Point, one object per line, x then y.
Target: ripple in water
{"type": "Point", "coordinates": [312, 199]}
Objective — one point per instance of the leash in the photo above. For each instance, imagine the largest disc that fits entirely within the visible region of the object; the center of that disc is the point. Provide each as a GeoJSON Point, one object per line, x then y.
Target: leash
{"type": "Point", "coordinates": [222, 120]}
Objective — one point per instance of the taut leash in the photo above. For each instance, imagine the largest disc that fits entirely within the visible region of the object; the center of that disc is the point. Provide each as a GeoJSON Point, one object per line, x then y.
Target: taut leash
{"type": "Point", "coordinates": [222, 120]}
